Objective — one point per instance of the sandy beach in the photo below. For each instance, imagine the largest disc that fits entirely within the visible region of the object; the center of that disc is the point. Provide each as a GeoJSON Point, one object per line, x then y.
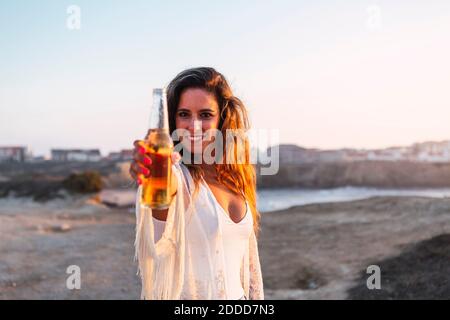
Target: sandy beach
{"type": "Point", "coordinates": [318, 251]}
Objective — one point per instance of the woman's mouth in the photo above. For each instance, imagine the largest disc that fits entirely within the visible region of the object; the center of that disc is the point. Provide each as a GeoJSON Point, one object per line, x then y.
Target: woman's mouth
{"type": "Point", "coordinates": [195, 138]}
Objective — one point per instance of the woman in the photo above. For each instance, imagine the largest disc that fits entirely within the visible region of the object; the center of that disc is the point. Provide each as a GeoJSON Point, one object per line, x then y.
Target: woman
{"type": "Point", "coordinates": [204, 246]}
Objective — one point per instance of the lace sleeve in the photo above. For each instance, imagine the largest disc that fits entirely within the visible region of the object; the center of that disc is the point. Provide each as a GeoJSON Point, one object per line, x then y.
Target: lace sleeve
{"type": "Point", "coordinates": [161, 261]}
{"type": "Point", "coordinates": [256, 290]}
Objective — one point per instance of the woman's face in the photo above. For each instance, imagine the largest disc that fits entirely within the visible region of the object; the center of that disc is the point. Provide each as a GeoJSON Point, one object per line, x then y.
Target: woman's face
{"type": "Point", "coordinates": [198, 112]}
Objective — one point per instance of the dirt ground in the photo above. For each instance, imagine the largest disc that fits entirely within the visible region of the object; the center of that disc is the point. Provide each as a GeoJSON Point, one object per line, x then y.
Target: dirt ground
{"type": "Point", "coordinates": [322, 251]}
{"type": "Point", "coordinates": [318, 251]}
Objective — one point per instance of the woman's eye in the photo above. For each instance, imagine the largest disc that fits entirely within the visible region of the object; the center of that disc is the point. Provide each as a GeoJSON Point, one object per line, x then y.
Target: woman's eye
{"type": "Point", "coordinates": [206, 115]}
{"type": "Point", "coordinates": [182, 114]}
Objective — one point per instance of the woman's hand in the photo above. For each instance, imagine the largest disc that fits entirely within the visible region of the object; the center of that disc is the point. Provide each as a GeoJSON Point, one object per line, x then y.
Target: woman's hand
{"type": "Point", "coordinates": [140, 170]}
{"type": "Point", "coordinates": [141, 163]}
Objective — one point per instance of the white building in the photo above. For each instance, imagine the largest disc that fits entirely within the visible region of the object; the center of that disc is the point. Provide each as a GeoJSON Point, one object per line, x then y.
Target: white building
{"type": "Point", "coordinates": [76, 155]}
{"type": "Point", "coordinates": [16, 153]}
{"type": "Point", "coordinates": [122, 155]}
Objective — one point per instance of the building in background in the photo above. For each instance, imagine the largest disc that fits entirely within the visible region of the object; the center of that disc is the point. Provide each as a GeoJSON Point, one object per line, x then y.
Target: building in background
{"type": "Point", "coordinates": [76, 155]}
{"type": "Point", "coordinates": [434, 152]}
{"type": "Point", "coordinates": [122, 155]}
{"type": "Point", "coordinates": [36, 159]}
{"type": "Point", "coordinates": [15, 153]}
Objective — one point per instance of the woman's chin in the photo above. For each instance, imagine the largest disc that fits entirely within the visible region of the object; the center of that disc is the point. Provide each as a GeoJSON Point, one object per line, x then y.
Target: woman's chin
{"type": "Point", "coordinates": [195, 148]}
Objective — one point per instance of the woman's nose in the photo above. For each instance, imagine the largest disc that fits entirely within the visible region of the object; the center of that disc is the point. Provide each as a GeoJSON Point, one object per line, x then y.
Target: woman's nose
{"type": "Point", "coordinates": [195, 125]}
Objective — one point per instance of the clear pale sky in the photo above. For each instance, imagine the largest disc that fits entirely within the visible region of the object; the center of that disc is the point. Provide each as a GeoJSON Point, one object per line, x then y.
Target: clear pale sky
{"type": "Point", "coordinates": [327, 74]}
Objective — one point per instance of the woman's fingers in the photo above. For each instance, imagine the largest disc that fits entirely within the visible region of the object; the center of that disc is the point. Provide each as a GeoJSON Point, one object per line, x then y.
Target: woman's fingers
{"type": "Point", "coordinates": [139, 166]}
{"type": "Point", "coordinates": [142, 158]}
{"type": "Point", "coordinates": [140, 146]}
{"type": "Point", "coordinates": [139, 154]}
{"type": "Point", "coordinates": [140, 170]}
{"type": "Point", "coordinates": [140, 179]}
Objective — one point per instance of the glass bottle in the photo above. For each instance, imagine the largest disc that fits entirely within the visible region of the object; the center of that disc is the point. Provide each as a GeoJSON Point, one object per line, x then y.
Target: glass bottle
{"type": "Point", "coordinates": [159, 147]}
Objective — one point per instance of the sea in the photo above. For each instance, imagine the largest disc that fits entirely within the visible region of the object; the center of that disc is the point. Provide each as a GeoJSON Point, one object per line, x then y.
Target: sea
{"type": "Point", "coordinates": [278, 199]}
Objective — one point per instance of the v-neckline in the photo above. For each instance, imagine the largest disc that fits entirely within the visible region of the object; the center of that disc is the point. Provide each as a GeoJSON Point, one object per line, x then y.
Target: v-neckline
{"type": "Point", "coordinates": [220, 206]}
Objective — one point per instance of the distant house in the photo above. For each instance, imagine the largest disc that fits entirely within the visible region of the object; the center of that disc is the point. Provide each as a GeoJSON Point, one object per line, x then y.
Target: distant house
{"type": "Point", "coordinates": [384, 155]}
{"type": "Point", "coordinates": [126, 154]}
{"type": "Point", "coordinates": [420, 152]}
{"type": "Point", "coordinates": [76, 155]}
{"type": "Point", "coordinates": [433, 151]}
{"type": "Point", "coordinates": [122, 155]}
{"type": "Point", "coordinates": [36, 159]}
{"type": "Point", "coordinates": [114, 156]}
{"type": "Point", "coordinates": [355, 155]}
{"type": "Point", "coordinates": [17, 154]}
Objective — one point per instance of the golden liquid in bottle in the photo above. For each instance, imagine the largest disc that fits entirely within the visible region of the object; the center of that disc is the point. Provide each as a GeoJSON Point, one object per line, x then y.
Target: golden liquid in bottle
{"type": "Point", "coordinates": [156, 188]}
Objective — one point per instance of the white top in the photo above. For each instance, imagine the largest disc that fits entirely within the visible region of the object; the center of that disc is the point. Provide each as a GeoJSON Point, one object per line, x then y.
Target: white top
{"type": "Point", "coordinates": [195, 252]}
{"type": "Point", "coordinates": [235, 238]}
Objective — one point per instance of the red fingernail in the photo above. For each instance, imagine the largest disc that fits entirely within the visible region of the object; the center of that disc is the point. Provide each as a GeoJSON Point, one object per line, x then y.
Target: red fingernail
{"type": "Point", "coordinates": [141, 150]}
{"type": "Point", "coordinates": [139, 181]}
{"type": "Point", "coordinates": [145, 171]}
{"type": "Point", "coordinates": [147, 161]}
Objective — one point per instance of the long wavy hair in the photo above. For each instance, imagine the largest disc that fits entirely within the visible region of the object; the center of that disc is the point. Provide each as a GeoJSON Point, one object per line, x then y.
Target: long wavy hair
{"type": "Point", "coordinates": [238, 176]}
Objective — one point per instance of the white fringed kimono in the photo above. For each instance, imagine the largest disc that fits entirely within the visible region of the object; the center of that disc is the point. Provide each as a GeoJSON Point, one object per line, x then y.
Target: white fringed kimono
{"type": "Point", "coordinates": [188, 261]}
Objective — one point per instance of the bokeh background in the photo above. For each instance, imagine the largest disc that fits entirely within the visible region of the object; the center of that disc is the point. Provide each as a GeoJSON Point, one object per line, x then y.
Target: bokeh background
{"type": "Point", "coordinates": [356, 92]}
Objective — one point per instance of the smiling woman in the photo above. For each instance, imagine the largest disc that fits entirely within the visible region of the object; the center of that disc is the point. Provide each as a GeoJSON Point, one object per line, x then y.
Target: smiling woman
{"type": "Point", "coordinates": [200, 100]}
{"type": "Point", "coordinates": [204, 246]}
{"type": "Point", "coordinates": [198, 114]}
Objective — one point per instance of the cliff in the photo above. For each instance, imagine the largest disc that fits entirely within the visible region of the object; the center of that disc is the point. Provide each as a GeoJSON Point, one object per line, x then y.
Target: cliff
{"type": "Point", "coordinates": [387, 174]}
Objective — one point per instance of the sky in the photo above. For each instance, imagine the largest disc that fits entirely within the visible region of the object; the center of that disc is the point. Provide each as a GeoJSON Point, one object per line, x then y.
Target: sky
{"type": "Point", "coordinates": [324, 74]}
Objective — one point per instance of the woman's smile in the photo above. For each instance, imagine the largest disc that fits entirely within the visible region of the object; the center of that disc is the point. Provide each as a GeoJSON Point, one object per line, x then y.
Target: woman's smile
{"type": "Point", "coordinates": [196, 138]}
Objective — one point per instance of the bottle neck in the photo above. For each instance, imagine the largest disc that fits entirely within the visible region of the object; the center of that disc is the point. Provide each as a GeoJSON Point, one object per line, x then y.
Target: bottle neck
{"type": "Point", "coordinates": [159, 113]}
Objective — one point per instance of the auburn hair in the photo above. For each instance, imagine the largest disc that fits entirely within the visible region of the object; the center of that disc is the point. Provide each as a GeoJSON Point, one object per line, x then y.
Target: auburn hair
{"type": "Point", "coordinates": [238, 176]}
